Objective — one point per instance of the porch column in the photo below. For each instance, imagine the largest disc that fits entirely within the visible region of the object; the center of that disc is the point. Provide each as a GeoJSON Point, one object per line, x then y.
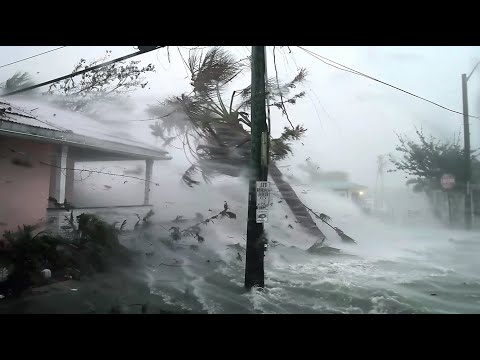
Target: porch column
{"type": "Point", "coordinates": [148, 178]}
{"type": "Point", "coordinates": [69, 192]}
{"type": "Point", "coordinates": [61, 174]}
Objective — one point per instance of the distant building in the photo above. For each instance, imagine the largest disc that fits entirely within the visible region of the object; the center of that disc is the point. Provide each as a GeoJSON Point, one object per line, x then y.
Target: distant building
{"type": "Point", "coordinates": [355, 192]}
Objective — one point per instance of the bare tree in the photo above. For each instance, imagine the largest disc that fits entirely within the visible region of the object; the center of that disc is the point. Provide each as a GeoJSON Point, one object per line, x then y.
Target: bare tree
{"type": "Point", "coordinates": [106, 84]}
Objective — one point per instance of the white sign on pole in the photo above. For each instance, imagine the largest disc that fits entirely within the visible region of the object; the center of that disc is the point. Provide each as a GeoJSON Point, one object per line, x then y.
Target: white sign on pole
{"type": "Point", "coordinates": [262, 216]}
{"type": "Point", "coordinates": [263, 194]}
{"type": "Point", "coordinates": [447, 181]}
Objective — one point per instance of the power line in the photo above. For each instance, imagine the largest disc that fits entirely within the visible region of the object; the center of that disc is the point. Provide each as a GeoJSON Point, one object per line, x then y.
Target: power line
{"type": "Point", "coordinates": [81, 71]}
{"type": "Point", "coordinates": [31, 57]}
{"type": "Point", "coordinates": [280, 90]}
{"type": "Point", "coordinates": [347, 69]}
{"type": "Point", "coordinates": [99, 172]}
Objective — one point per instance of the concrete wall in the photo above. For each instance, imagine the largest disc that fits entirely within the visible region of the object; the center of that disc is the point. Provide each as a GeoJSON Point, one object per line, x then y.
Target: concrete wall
{"type": "Point", "coordinates": [23, 190]}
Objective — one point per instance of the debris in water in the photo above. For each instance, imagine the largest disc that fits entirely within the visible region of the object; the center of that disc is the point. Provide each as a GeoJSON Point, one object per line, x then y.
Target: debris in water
{"type": "Point", "coordinates": [286, 216]}
{"type": "Point", "coordinates": [433, 294]}
{"type": "Point", "coordinates": [239, 257]}
{"type": "Point", "coordinates": [108, 187]}
{"type": "Point", "coordinates": [290, 226]}
{"type": "Point", "coordinates": [149, 253]}
{"type": "Point", "coordinates": [178, 219]}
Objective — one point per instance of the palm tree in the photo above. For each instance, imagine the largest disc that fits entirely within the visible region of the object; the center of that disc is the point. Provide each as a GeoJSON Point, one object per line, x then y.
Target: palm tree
{"type": "Point", "coordinates": [217, 134]}
{"type": "Point", "coordinates": [18, 81]}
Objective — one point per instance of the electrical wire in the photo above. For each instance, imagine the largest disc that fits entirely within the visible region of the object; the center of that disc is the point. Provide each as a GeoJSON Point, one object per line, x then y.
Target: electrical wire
{"type": "Point", "coordinates": [31, 57]}
{"type": "Point", "coordinates": [347, 69]}
{"type": "Point", "coordinates": [80, 72]}
{"type": "Point", "coordinates": [280, 90]}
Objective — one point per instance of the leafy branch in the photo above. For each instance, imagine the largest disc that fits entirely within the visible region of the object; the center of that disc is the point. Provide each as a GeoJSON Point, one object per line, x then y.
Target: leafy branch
{"type": "Point", "coordinates": [195, 230]}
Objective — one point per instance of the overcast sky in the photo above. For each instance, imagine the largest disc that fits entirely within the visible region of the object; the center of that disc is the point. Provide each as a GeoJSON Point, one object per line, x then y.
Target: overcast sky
{"type": "Point", "coordinates": [350, 119]}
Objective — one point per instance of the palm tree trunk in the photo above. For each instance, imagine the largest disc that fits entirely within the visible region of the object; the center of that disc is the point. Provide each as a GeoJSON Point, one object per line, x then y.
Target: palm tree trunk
{"type": "Point", "coordinates": [295, 204]}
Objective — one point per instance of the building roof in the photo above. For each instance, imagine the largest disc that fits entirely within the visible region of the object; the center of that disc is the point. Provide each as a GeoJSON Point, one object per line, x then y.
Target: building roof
{"type": "Point", "coordinates": [27, 118]}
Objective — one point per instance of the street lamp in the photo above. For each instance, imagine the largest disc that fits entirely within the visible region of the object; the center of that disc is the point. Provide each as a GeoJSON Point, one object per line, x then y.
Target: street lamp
{"type": "Point", "coordinates": [466, 139]}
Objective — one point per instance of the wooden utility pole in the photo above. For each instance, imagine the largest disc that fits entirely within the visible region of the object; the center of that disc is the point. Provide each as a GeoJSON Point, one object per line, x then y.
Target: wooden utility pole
{"type": "Point", "coordinates": [254, 267]}
{"type": "Point", "coordinates": [467, 165]}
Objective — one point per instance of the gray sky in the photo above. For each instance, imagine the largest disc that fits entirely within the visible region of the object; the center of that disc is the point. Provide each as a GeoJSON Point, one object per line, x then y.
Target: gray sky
{"type": "Point", "coordinates": [350, 119]}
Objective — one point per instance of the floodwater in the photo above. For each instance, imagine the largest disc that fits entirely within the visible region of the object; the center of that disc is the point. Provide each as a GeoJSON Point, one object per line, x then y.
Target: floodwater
{"type": "Point", "coordinates": [395, 268]}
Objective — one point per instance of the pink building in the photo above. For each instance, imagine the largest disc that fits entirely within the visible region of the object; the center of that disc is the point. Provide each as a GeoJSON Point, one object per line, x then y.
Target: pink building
{"type": "Point", "coordinates": [37, 162]}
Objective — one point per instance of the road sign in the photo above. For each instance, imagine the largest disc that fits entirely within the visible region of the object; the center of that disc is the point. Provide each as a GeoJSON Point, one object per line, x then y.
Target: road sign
{"type": "Point", "coordinates": [262, 216]}
{"type": "Point", "coordinates": [263, 194]}
{"type": "Point", "coordinates": [447, 181]}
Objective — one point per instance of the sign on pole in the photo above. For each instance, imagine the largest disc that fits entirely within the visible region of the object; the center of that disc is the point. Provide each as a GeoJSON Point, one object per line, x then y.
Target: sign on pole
{"type": "Point", "coordinates": [262, 216]}
{"type": "Point", "coordinates": [263, 194]}
{"type": "Point", "coordinates": [447, 181]}
{"type": "Point", "coordinates": [263, 201]}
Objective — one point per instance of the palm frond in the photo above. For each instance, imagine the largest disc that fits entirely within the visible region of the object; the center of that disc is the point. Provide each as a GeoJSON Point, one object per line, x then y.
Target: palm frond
{"type": "Point", "coordinates": [216, 67]}
{"type": "Point", "coordinates": [18, 81]}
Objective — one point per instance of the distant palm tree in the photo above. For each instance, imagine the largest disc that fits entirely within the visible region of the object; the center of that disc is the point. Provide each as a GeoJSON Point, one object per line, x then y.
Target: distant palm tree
{"type": "Point", "coordinates": [18, 81]}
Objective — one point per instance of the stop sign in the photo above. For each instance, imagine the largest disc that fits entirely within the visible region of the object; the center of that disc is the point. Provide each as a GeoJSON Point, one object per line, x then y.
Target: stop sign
{"type": "Point", "coordinates": [447, 181]}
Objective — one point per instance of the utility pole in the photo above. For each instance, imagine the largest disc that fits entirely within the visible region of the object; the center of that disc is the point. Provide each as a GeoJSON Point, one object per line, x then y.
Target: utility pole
{"type": "Point", "coordinates": [379, 184]}
{"type": "Point", "coordinates": [254, 267]}
{"type": "Point", "coordinates": [466, 150]}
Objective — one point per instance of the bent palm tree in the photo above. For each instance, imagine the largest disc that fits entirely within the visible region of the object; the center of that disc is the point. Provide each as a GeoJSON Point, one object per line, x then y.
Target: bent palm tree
{"type": "Point", "coordinates": [222, 132]}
